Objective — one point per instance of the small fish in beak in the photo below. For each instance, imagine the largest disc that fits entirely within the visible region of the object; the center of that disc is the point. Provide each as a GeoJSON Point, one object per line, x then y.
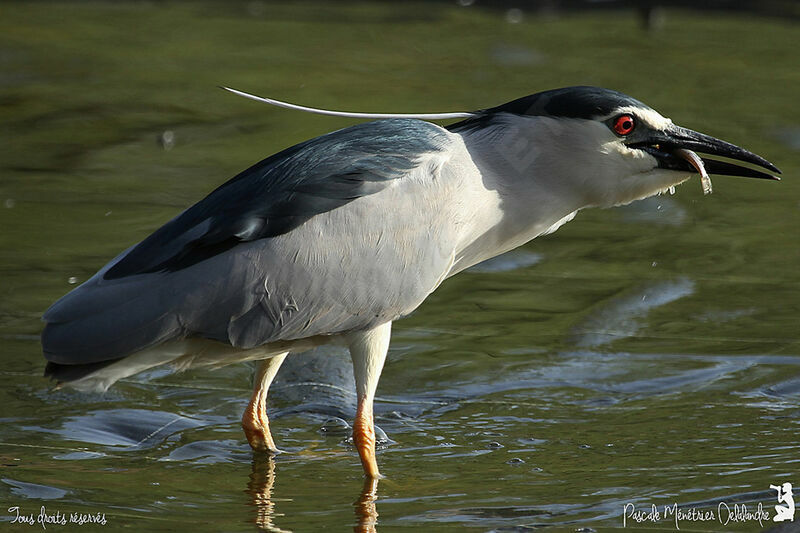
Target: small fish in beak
{"type": "Point", "coordinates": [694, 160]}
{"type": "Point", "coordinates": [675, 148]}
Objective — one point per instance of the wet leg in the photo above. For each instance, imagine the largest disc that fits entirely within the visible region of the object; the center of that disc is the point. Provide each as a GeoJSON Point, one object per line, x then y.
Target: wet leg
{"type": "Point", "coordinates": [254, 420]}
{"type": "Point", "coordinates": [368, 351]}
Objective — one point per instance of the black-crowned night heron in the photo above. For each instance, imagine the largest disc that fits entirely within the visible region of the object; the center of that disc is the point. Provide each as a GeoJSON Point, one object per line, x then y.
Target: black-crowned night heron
{"type": "Point", "coordinates": [331, 240]}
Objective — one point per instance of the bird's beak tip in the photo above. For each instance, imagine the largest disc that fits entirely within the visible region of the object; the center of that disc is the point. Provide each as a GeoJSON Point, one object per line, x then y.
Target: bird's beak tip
{"type": "Point", "coordinates": [677, 139]}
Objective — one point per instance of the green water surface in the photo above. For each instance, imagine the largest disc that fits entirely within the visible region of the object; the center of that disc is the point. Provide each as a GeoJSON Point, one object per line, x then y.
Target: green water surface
{"type": "Point", "coordinates": [642, 355]}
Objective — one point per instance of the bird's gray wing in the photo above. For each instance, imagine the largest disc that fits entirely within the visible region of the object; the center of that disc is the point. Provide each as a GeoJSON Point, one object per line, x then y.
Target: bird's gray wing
{"type": "Point", "coordinates": [309, 241]}
{"type": "Point", "coordinates": [283, 191]}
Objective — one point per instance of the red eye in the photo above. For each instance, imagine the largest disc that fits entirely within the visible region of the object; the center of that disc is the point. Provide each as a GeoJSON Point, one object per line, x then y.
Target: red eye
{"type": "Point", "coordinates": [624, 124]}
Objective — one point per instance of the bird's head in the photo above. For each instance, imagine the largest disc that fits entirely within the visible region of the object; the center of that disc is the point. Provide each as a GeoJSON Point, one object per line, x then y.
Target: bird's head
{"type": "Point", "coordinates": [603, 147]}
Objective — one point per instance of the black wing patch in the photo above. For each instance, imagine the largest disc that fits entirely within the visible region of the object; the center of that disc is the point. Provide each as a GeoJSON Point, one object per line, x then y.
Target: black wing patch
{"type": "Point", "coordinates": [284, 191]}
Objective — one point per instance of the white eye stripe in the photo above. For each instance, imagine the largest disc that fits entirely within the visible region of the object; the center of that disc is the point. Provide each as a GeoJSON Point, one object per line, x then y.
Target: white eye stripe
{"type": "Point", "coordinates": [643, 116]}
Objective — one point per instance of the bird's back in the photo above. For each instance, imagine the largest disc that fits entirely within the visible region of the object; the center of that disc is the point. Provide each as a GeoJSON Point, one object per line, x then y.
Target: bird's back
{"type": "Point", "coordinates": [306, 242]}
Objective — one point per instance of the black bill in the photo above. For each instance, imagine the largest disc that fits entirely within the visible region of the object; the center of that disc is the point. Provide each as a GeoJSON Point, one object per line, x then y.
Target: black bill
{"type": "Point", "coordinates": [663, 146]}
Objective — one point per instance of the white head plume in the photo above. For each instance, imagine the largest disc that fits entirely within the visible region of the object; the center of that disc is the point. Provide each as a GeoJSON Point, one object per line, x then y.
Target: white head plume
{"type": "Point", "coordinates": [351, 114]}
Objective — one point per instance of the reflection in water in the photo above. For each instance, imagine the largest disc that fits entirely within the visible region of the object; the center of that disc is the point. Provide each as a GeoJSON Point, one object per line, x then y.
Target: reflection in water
{"type": "Point", "coordinates": [262, 481]}
{"type": "Point", "coordinates": [366, 511]}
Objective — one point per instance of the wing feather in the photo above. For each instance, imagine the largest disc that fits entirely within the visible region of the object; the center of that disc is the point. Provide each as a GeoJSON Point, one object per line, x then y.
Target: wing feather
{"type": "Point", "coordinates": [300, 244]}
{"type": "Point", "coordinates": [285, 190]}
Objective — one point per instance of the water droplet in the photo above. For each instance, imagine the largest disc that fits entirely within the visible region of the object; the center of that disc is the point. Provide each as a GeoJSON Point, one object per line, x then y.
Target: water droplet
{"type": "Point", "coordinates": [72, 280]}
{"type": "Point", "coordinates": [380, 436]}
{"type": "Point", "coordinates": [516, 461]}
{"type": "Point", "coordinates": [514, 16]}
{"type": "Point", "coordinates": [335, 426]}
{"type": "Point", "coordinates": [10, 203]}
{"type": "Point", "coordinates": [494, 445]}
{"type": "Point", "coordinates": [167, 139]}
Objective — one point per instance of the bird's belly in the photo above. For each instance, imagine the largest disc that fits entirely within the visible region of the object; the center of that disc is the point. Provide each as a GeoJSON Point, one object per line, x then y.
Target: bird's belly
{"type": "Point", "coordinates": [353, 268]}
{"type": "Point", "coordinates": [209, 353]}
{"type": "Point", "coordinates": [189, 353]}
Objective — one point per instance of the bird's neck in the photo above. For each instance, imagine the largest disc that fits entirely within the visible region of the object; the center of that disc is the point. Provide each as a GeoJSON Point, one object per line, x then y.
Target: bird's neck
{"type": "Point", "coordinates": [508, 197]}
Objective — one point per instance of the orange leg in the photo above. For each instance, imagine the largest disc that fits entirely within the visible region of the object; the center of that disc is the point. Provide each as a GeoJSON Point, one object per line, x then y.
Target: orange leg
{"type": "Point", "coordinates": [254, 420]}
{"type": "Point", "coordinates": [368, 351]}
{"type": "Point", "coordinates": [364, 438]}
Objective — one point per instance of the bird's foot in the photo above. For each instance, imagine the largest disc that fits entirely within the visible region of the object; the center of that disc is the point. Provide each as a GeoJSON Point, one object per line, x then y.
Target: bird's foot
{"type": "Point", "coordinates": [260, 440]}
{"type": "Point", "coordinates": [256, 428]}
